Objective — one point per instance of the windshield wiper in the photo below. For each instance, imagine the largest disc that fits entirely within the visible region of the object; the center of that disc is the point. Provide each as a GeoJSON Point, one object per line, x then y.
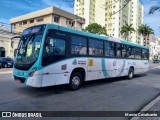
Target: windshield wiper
{"type": "Point", "coordinates": [32, 37]}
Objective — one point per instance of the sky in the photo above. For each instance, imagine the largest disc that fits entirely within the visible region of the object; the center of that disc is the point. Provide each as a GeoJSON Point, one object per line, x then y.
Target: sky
{"type": "Point", "coordinates": [14, 8]}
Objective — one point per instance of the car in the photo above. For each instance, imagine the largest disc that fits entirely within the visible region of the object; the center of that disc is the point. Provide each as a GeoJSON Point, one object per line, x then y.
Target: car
{"type": "Point", "coordinates": [2, 63]}
{"type": "Point", "coordinates": [155, 61]}
{"type": "Point", "coordinates": [7, 62]}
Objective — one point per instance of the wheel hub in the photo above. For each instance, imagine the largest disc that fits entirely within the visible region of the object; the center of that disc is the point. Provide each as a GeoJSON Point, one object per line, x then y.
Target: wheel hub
{"type": "Point", "coordinates": [75, 81]}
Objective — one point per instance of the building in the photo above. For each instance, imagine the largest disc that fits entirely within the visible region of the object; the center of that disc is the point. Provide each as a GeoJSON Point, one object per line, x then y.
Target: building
{"type": "Point", "coordinates": [6, 45]}
{"type": "Point", "coordinates": [136, 18]}
{"type": "Point", "coordinates": [116, 18]}
{"type": "Point", "coordinates": [108, 13]}
{"type": "Point", "coordinates": [154, 46]}
{"type": "Point", "coordinates": [92, 10]}
{"type": "Point", "coordinates": [51, 15]}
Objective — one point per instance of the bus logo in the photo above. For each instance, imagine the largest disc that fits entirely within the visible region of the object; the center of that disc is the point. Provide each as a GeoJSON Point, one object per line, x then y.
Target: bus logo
{"type": "Point", "coordinates": [74, 62]}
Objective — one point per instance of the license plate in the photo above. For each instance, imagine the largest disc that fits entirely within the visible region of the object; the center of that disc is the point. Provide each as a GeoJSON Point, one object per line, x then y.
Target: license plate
{"type": "Point", "coordinates": [18, 81]}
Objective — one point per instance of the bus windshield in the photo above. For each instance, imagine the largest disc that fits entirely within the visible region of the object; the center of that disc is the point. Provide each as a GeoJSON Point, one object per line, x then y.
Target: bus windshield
{"type": "Point", "coordinates": [29, 45]}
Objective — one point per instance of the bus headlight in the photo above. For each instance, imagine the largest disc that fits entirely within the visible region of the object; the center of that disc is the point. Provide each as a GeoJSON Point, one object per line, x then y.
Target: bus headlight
{"type": "Point", "coordinates": [32, 72]}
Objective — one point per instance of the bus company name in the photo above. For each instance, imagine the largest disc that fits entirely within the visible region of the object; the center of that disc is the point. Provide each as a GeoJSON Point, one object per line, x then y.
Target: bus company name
{"type": "Point", "coordinates": [82, 62]}
{"type": "Point", "coordinates": [75, 62]}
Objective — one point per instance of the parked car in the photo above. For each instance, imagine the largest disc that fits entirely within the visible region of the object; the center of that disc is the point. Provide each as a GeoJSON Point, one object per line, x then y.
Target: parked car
{"type": "Point", "coordinates": [2, 63]}
{"type": "Point", "coordinates": [8, 62]}
{"type": "Point", "coordinates": [155, 61]}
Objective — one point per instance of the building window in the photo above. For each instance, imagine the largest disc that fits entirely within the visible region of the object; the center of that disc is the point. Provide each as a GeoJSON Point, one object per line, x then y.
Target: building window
{"type": "Point", "coordinates": [70, 23]}
{"type": "Point", "coordinates": [24, 22]}
{"type": "Point", "coordinates": [31, 21]}
{"type": "Point", "coordinates": [20, 24]}
{"type": "Point", "coordinates": [39, 19]}
{"type": "Point", "coordinates": [56, 19]}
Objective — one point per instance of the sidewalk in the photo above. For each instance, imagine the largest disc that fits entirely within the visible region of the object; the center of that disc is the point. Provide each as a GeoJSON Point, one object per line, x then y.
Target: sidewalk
{"type": "Point", "coordinates": [5, 70]}
{"type": "Point", "coordinates": [153, 106]}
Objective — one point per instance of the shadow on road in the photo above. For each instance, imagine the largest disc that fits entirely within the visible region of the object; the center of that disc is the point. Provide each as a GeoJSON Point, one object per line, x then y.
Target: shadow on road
{"type": "Point", "coordinates": [60, 89]}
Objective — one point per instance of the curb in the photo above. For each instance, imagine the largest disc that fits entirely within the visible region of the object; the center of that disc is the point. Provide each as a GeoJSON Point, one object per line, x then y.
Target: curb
{"type": "Point", "coordinates": [147, 107]}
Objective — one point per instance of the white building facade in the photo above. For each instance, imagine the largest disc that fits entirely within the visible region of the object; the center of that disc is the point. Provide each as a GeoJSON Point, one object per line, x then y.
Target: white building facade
{"type": "Point", "coordinates": [108, 13]}
{"type": "Point", "coordinates": [92, 10]}
{"type": "Point", "coordinates": [154, 47]}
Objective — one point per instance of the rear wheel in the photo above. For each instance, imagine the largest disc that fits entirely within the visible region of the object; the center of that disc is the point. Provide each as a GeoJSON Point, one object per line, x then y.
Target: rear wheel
{"type": "Point", "coordinates": [130, 73]}
{"type": "Point", "coordinates": [75, 81]}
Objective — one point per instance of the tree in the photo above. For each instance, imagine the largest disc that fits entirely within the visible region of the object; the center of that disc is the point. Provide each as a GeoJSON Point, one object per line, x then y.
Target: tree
{"type": "Point", "coordinates": [145, 31]}
{"type": "Point", "coordinates": [103, 31]}
{"type": "Point", "coordinates": [153, 9]}
{"type": "Point", "coordinates": [96, 29]}
{"type": "Point", "coordinates": [126, 30]}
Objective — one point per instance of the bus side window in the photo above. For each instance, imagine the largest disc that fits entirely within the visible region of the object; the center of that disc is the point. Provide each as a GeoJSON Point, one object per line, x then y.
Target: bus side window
{"type": "Point", "coordinates": [119, 50]}
{"type": "Point", "coordinates": [145, 54]}
{"type": "Point", "coordinates": [124, 51]}
{"type": "Point", "coordinates": [109, 49]}
{"type": "Point", "coordinates": [131, 52]}
{"type": "Point", "coordinates": [54, 46]}
{"type": "Point", "coordinates": [138, 53]}
{"type": "Point", "coordinates": [78, 45]}
{"type": "Point", "coordinates": [95, 47]}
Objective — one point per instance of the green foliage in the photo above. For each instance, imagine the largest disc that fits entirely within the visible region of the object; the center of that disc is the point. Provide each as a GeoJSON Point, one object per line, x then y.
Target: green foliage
{"type": "Point", "coordinates": [153, 9]}
{"type": "Point", "coordinates": [145, 30]}
{"type": "Point", "coordinates": [96, 29]}
{"type": "Point", "coordinates": [93, 28]}
{"type": "Point", "coordinates": [126, 30]}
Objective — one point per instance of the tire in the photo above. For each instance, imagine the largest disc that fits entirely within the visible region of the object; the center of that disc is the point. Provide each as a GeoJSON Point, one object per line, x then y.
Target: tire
{"type": "Point", "coordinates": [75, 81]}
{"type": "Point", "coordinates": [5, 66]}
{"type": "Point", "coordinates": [130, 73]}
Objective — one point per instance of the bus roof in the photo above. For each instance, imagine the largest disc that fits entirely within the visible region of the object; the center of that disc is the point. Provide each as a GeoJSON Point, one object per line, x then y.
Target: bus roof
{"type": "Point", "coordinates": [70, 30]}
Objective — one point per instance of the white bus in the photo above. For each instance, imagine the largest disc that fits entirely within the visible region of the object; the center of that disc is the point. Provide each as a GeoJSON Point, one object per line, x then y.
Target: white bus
{"type": "Point", "coordinates": [49, 55]}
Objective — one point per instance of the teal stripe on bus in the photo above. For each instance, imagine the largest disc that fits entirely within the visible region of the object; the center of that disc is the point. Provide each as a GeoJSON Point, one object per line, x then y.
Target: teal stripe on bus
{"type": "Point", "coordinates": [104, 67]}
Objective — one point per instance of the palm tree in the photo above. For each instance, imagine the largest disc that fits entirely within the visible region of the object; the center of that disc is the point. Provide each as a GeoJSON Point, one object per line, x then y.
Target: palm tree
{"type": "Point", "coordinates": [153, 9]}
{"type": "Point", "coordinates": [145, 31]}
{"type": "Point", "coordinates": [127, 30]}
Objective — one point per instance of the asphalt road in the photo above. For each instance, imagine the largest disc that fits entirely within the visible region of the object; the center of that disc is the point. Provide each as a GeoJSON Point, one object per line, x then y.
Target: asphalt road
{"type": "Point", "coordinates": [118, 94]}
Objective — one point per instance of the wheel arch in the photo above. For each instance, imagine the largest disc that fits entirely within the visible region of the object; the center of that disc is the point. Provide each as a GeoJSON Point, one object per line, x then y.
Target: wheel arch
{"type": "Point", "coordinates": [81, 70]}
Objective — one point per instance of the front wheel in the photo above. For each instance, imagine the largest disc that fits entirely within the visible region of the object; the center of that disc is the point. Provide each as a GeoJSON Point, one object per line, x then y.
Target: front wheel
{"type": "Point", "coordinates": [130, 73]}
{"type": "Point", "coordinates": [75, 81]}
{"type": "Point", "coordinates": [5, 65]}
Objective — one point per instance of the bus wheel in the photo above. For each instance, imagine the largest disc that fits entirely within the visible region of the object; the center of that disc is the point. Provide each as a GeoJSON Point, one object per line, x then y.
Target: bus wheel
{"type": "Point", "coordinates": [130, 73]}
{"type": "Point", "coordinates": [75, 81]}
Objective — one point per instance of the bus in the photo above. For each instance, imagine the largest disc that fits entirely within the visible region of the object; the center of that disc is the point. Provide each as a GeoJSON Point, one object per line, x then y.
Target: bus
{"type": "Point", "coordinates": [49, 55]}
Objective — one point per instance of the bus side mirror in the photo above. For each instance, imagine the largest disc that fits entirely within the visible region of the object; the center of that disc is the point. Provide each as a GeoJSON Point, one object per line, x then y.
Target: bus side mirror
{"type": "Point", "coordinates": [15, 51]}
